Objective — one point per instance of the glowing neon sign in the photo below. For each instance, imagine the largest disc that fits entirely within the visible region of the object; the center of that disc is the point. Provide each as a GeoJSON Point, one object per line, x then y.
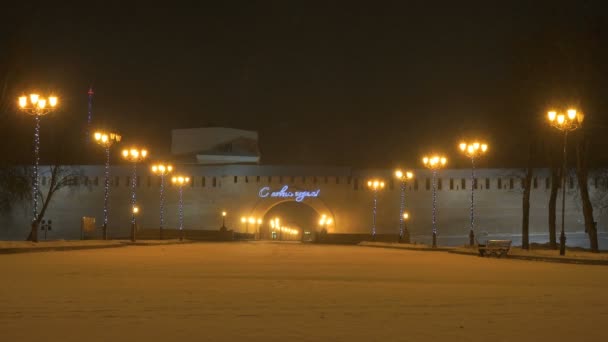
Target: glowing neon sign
{"type": "Point", "coordinates": [299, 196]}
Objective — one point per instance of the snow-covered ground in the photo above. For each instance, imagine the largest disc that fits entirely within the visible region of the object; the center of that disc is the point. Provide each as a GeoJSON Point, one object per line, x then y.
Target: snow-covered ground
{"type": "Point", "coordinates": [295, 292]}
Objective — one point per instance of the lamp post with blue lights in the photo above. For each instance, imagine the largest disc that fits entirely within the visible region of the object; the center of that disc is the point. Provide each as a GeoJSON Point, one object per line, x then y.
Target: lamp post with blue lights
{"type": "Point", "coordinates": [403, 176]}
{"type": "Point", "coordinates": [106, 140]}
{"type": "Point", "coordinates": [473, 151]}
{"type": "Point", "coordinates": [162, 170]}
{"type": "Point", "coordinates": [434, 163]}
{"type": "Point", "coordinates": [180, 181]}
{"type": "Point", "coordinates": [375, 185]}
{"type": "Point", "coordinates": [36, 106]}
{"type": "Point", "coordinates": [134, 155]}
{"type": "Point", "coordinates": [568, 122]}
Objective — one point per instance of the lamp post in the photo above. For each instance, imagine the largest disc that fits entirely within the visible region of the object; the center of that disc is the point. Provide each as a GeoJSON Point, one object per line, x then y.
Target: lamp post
{"type": "Point", "coordinates": [572, 120]}
{"type": "Point", "coordinates": [404, 235]}
{"type": "Point", "coordinates": [259, 222]}
{"type": "Point", "coordinates": [134, 211]}
{"type": "Point", "coordinates": [405, 217]}
{"type": "Point", "coordinates": [162, 170]}
{"type": "Point", "coordinates": [37, 107]}
{"type": "Point", "coordinates": [106, 140]}
{"type": "Point", "coordinates": [180, 181]}
{"type": "Point", "coordinates": [244, 222]}
{"type": "Point", "coordinates": [324, 222]}
{"type": "Point", "coordinates": [434, 163]}
{"type": "Point", "coordinates": [223, 220]}
{"type": "Point", "coordinates": [473, 150]}
{"type": "Point", "coordinates": [252, 222]}
{"type": "Point", "coordinates": [134, 155]}
{"type": "Point", "coordinates": [375, 185]}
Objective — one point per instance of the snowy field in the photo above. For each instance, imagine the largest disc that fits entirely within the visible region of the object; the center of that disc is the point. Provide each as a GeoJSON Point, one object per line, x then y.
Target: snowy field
{"type": "Point", "coordinates": [295, 292]}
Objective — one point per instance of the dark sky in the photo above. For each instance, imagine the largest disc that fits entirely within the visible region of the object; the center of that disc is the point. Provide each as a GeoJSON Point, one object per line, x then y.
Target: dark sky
{"type": "Point", "coordinates": [369, 84]}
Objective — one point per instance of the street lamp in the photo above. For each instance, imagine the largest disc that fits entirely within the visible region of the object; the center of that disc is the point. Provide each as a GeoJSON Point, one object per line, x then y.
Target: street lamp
{"type": "Point", "coordinates": [324, 222]}
{"type": "Point", "coordinates": [223, 219]}
{"type": "Point", "coordinates": [434, 163]}
{"type": "Point", "coordinates": [180, 181]}
{"type": "Point", "coordinates": [244, 222]}
{"type": "Point", "coordinates": [275, 224]}
{"type": "Point", "coordinates": [405, 217]}
{"type": "Point", "coordinates": [134, 211]}
{"type": "Point", "coordinates": [251, 221]}
{"type": "Point", "coordinates": [36, 106]}
{"type": "Point", "coordinates": [473, 150]}
{"type": "Point", "coordinates": [106, 140]}
{"type": "Point", "coordinates": [572, 120]}
{"type": "Point", "coordinates": [259, 222]}
{"type": "Point", "coordinates": [375, 185]}
{"type": "Point", "coordinates": [134, 155]}
{"type": "Point", "coordinates": [404, 235]}
{"type": "Point", "coordinates": [162, 170]}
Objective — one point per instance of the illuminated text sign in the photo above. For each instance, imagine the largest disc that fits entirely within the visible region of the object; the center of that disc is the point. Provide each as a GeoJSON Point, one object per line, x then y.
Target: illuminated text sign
{"type": "Point", "coordinates": [299, 196]}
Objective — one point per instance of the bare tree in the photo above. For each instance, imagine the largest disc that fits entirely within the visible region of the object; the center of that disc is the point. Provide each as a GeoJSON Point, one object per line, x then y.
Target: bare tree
{"type": "Point", "coordinates": [582, 172]}
{"type": "Point", "coordinates": [556, 173]}
{"type": "Point", "coordinates": [15, 186]}
{"type": "Point", "coordinates": [59, 178]}
{"type": "Point", "coordinates": [525, 224]}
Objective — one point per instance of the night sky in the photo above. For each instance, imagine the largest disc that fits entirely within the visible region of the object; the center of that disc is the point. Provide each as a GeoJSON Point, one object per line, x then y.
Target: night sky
{"type": "Point", "coordinates": [373, 84]}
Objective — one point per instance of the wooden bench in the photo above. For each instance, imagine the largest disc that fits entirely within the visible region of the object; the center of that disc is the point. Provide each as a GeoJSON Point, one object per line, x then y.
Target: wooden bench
{"type": "Point", "coordinates": [497, 248]}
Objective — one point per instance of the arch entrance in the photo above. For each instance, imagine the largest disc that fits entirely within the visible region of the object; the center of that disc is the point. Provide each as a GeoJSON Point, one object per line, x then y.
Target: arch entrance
{"type": "Point", "coordinates": [291, 220]}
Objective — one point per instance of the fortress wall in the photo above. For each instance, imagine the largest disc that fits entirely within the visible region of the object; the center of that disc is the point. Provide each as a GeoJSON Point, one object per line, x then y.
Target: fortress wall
{"type": "Point", "coordinates": [343, 196]}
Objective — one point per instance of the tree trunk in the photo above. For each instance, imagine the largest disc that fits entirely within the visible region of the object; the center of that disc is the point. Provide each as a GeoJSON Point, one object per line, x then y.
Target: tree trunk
{"type": "Point", "coordinates": [525, 225]}
{"type": "Point", "coordinates": [33, 236]}
{"type": "Point", "coordinates": [582, 156]}
{"type": "Point", "coordinates": [555, 178]}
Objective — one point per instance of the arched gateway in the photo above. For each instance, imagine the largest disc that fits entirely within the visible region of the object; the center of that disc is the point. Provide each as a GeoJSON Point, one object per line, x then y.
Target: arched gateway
{"type": "Point", "coordinates": [271, 198]}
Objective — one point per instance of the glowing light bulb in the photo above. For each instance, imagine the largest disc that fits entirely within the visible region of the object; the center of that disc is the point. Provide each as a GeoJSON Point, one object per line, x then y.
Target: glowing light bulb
{"type": "Point", "coordinates": [463, 146]}
{"type": "Point", "coordinates": [551, 115]}
{"type": "Point", "coordinates": [53, 101]}
{"type": "Point", "coordinates": [41, 103]}
{"type": "Point", "coordinates": [571, 114]}
{"type": "Point", "coordinates": [22, 101]}
{"type": "Point", "coordinates": [34, 98]}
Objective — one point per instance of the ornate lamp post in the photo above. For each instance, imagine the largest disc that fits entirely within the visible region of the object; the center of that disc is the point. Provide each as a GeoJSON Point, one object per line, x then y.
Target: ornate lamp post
{"type": "Point", "coordinates": [162, 170]}
{"type": "Point", "coordinates": [106, 140]}
{"type": "Point", "coordinates": [134, 155]}
{"type": "Point", "coordinates": [572, 120]}
{"type": "Point", "coordinates": [180, 181]}
{"type": "Point", "coordinates": [473, 150]}
{"type": "Point", "coordinates": [37, 107]}
{"type": "Point", "coordinates": [375, 185]}
{"type": "Point", "coordinates": [404, 235]}
{"type": "Point", "coordinates": [434, 163]}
